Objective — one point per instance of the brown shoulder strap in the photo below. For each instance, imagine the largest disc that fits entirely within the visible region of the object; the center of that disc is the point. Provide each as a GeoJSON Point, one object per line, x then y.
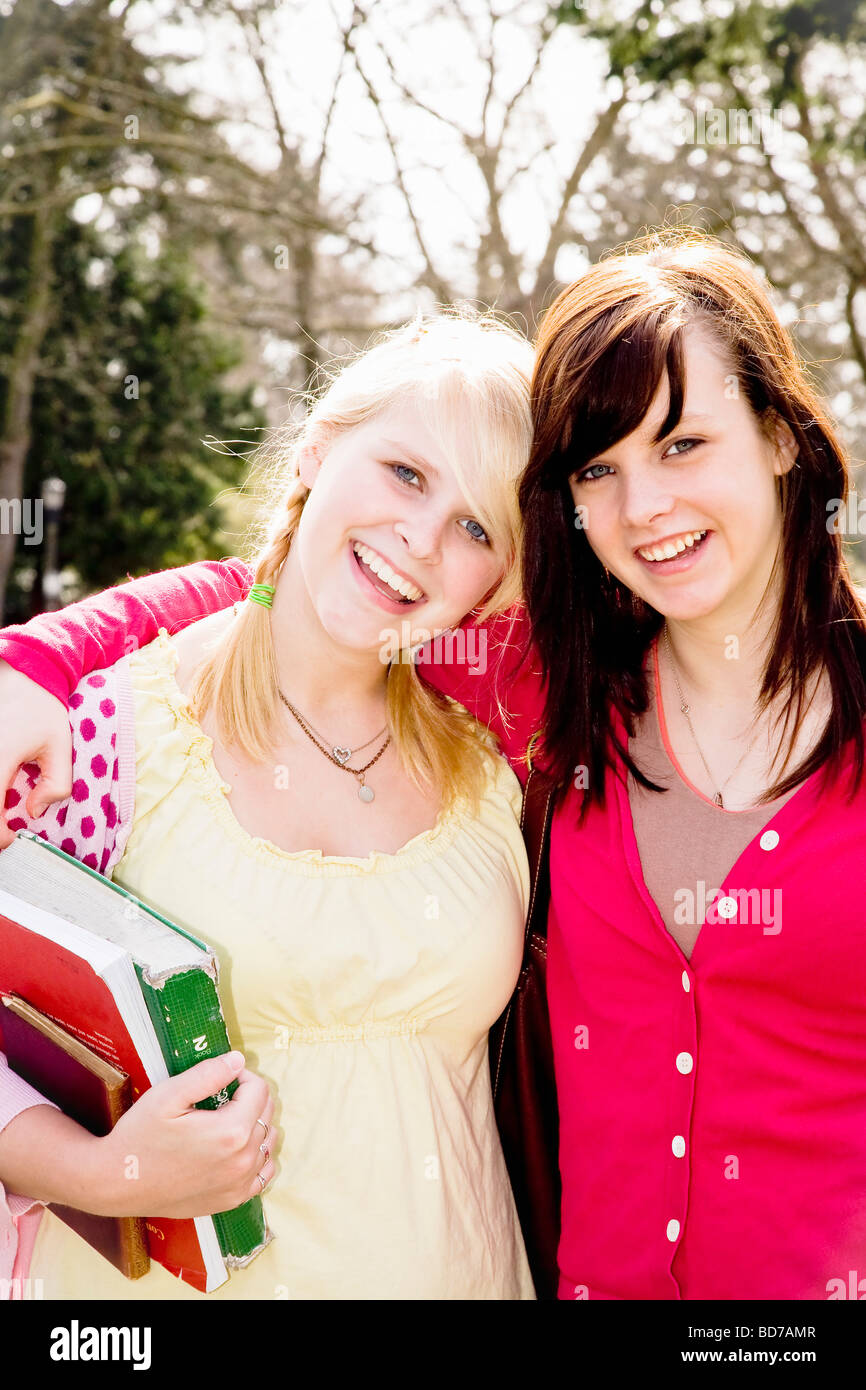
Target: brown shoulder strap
{"type": "Point", "coordinates": [535, 818]}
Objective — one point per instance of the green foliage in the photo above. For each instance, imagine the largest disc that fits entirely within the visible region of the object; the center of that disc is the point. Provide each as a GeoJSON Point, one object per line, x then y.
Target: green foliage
{"type": "Point", "coordinates": [725, 39]}
{"type": "Point", "coordinates": [781, 173]}
{"type": "Point", "coordinates": [83, 111]}
{"type": "Point", "coordinates": [140, 484]}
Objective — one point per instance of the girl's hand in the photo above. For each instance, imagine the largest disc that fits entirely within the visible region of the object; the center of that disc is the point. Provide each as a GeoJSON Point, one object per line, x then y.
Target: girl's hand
{"type": "Point", "coordinates": [35, 729]}
{"type": "Point", "coordinates": [165, 1158]}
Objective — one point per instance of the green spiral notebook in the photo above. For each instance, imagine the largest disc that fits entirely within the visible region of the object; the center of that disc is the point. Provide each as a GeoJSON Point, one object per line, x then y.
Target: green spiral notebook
{"type": "Point", "coordinates": [141, 992]}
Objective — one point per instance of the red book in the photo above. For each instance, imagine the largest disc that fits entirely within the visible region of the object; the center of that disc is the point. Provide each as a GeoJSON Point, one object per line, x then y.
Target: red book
{"type": "Point", "coordinates": [94, 1094]}
{"type": "Point", "coordinates": [138, 991]}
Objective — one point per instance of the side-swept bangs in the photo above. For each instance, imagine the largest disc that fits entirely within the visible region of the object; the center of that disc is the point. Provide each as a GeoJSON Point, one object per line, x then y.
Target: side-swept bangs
{"type": "Point", "coordinates": [614, 389]}
{"type": "Point", "coordinates": [485, 431]}
{"type": "Point", "coordinates": [606, 346]}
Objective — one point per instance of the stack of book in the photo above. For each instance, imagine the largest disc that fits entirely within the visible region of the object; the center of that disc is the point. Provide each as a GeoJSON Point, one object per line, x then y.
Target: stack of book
{"type": "Point", "coordinates": [102, 998]}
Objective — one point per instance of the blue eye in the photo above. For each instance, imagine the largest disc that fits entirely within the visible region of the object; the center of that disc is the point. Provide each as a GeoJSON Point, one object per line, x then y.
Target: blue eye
{"type": "Point", "coordinates": [479, 534]}
{"type": "Point", "coordinates": [401, 468]}
{"type": "Point", "coordinates": [414, 480]}
{"type": "Point", "coordinates": [589, 476]}
{"type": "Point", "coordinates": [690, 442]}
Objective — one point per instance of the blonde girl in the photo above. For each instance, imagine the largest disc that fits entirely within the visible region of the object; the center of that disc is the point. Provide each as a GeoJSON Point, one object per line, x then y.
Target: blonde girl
{"type": "Point", "coordinates": [345, 838]}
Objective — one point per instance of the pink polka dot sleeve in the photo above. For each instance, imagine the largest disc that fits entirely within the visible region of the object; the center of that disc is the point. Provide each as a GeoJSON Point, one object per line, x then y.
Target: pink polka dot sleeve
{"type": "Point", "coordinates": [93, 824]}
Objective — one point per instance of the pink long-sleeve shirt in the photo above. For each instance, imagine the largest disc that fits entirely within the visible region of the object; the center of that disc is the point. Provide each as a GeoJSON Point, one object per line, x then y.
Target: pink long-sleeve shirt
{"type": "Point", "coordinates": [712, 1110]}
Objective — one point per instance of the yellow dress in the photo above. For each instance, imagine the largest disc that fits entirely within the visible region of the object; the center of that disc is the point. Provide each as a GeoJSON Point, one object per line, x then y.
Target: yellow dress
{"type": "Point", "coordinates": [362, 990]}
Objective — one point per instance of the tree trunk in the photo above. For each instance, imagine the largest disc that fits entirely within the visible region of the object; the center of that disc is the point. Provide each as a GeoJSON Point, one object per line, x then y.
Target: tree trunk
{"type": "Point", "coordinates": [15, 433]}
{"type": "Point", "coordinates": [305, 282]}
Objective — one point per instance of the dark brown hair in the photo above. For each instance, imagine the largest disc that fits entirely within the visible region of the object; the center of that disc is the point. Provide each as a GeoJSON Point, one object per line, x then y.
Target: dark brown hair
{"type": "Point", "coordinates": [604, 347]}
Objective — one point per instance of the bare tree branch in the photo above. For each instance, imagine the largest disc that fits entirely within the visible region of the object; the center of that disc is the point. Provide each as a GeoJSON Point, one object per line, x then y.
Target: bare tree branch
{"type": "Point", "coordinates": [513, 101]}
{"type": "Point", "coordinates": [858, 346]}
{"type": "Point", "coordinates": [251, 20]}
{"type": "Point", "coordinates": [161, 139]}
{"type": "Point", "coordinates": [141, 95]}
{"type": "Point", "coordinates": [521, 169]}
{"type": "Point", "coordinates": [435, 282]}
{"type": "Point", "coordinates": [406, 93]}
{"type": "Point", "coordinates": [489, 59]}
{"type": "Point", "coordinates": [779, 184]}
{"type": "Point", "coordinates": [61, 100]}
{"type": "Point", "coordinates": [329, 116]}
{"type": "Point", "coordinates": [559, 228]}
{"type": "Point", "coordinates": [458, 11]}
{"type": "Point", "coordinates": [849, 239]}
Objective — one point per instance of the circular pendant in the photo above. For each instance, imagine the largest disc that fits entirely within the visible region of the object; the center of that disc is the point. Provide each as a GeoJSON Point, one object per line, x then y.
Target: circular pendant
{"type": "Point", "coordinates": [366, 793]}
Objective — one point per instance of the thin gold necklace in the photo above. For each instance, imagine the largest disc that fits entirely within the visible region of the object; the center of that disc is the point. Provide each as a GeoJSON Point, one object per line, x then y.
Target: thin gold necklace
{"type": "Point", "coordinates": [685, 709]}
{"type": "Point", "coordinates": [338, 755]}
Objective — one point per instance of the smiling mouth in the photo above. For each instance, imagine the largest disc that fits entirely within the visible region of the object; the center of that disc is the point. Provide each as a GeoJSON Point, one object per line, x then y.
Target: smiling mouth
{"type": "Point", "coordinates": [683, 544]}
{"type": "Point", "coordinates": [392, 586]}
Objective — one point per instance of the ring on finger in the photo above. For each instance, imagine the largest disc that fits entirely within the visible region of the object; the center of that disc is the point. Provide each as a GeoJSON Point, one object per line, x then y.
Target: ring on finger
{"type": "Point", "coordinates": [262, 1181]}
{"type": "Point", "coordinates": [263, 1148]}
{"type": "Point", "coordinates": [266, 1128]}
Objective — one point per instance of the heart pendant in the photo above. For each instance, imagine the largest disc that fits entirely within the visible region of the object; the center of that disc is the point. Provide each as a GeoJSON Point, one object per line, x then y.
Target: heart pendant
{"type": "Point", "coordinates": [342, 755]}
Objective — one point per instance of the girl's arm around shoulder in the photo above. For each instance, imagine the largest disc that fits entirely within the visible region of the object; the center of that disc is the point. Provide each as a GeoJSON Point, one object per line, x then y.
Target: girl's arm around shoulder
{"type": "Point", "coordinates": [54, 652]}
{"type": "Point", "coordinates": [491, 669]}
{"type": "Point", "coordinates": [93, 822]}
{"type": "Point", "coordinates": [56, 649]}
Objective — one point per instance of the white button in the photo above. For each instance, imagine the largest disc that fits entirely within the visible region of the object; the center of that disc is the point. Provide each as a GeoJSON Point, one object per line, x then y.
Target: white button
{"type": "Point", "coordinates": [673, 1230]}
{"type": "Point", "coordinates": [687, 984]}
{"type": "Point", "coordinates": [726, 907]}
{"type": "Point", "coordinates": [685, 1062]}
{"type": "Point", "coordinates": [769, 839]}
{"type": "Point", "coordinates": [678, 1144]}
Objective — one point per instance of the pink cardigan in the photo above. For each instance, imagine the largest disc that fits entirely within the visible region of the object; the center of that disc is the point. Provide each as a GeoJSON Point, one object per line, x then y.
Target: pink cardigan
{"type": "Point", "coordinates": [713, 1110]}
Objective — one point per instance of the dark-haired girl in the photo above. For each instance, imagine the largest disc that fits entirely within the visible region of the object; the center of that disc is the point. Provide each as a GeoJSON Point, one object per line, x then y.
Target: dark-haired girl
{"type": "Point", "coordinates": [701, 709]}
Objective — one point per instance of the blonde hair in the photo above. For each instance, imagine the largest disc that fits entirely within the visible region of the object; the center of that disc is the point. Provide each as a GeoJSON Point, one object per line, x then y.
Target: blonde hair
{"type": "Point", "coordinates": [468, 375]}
